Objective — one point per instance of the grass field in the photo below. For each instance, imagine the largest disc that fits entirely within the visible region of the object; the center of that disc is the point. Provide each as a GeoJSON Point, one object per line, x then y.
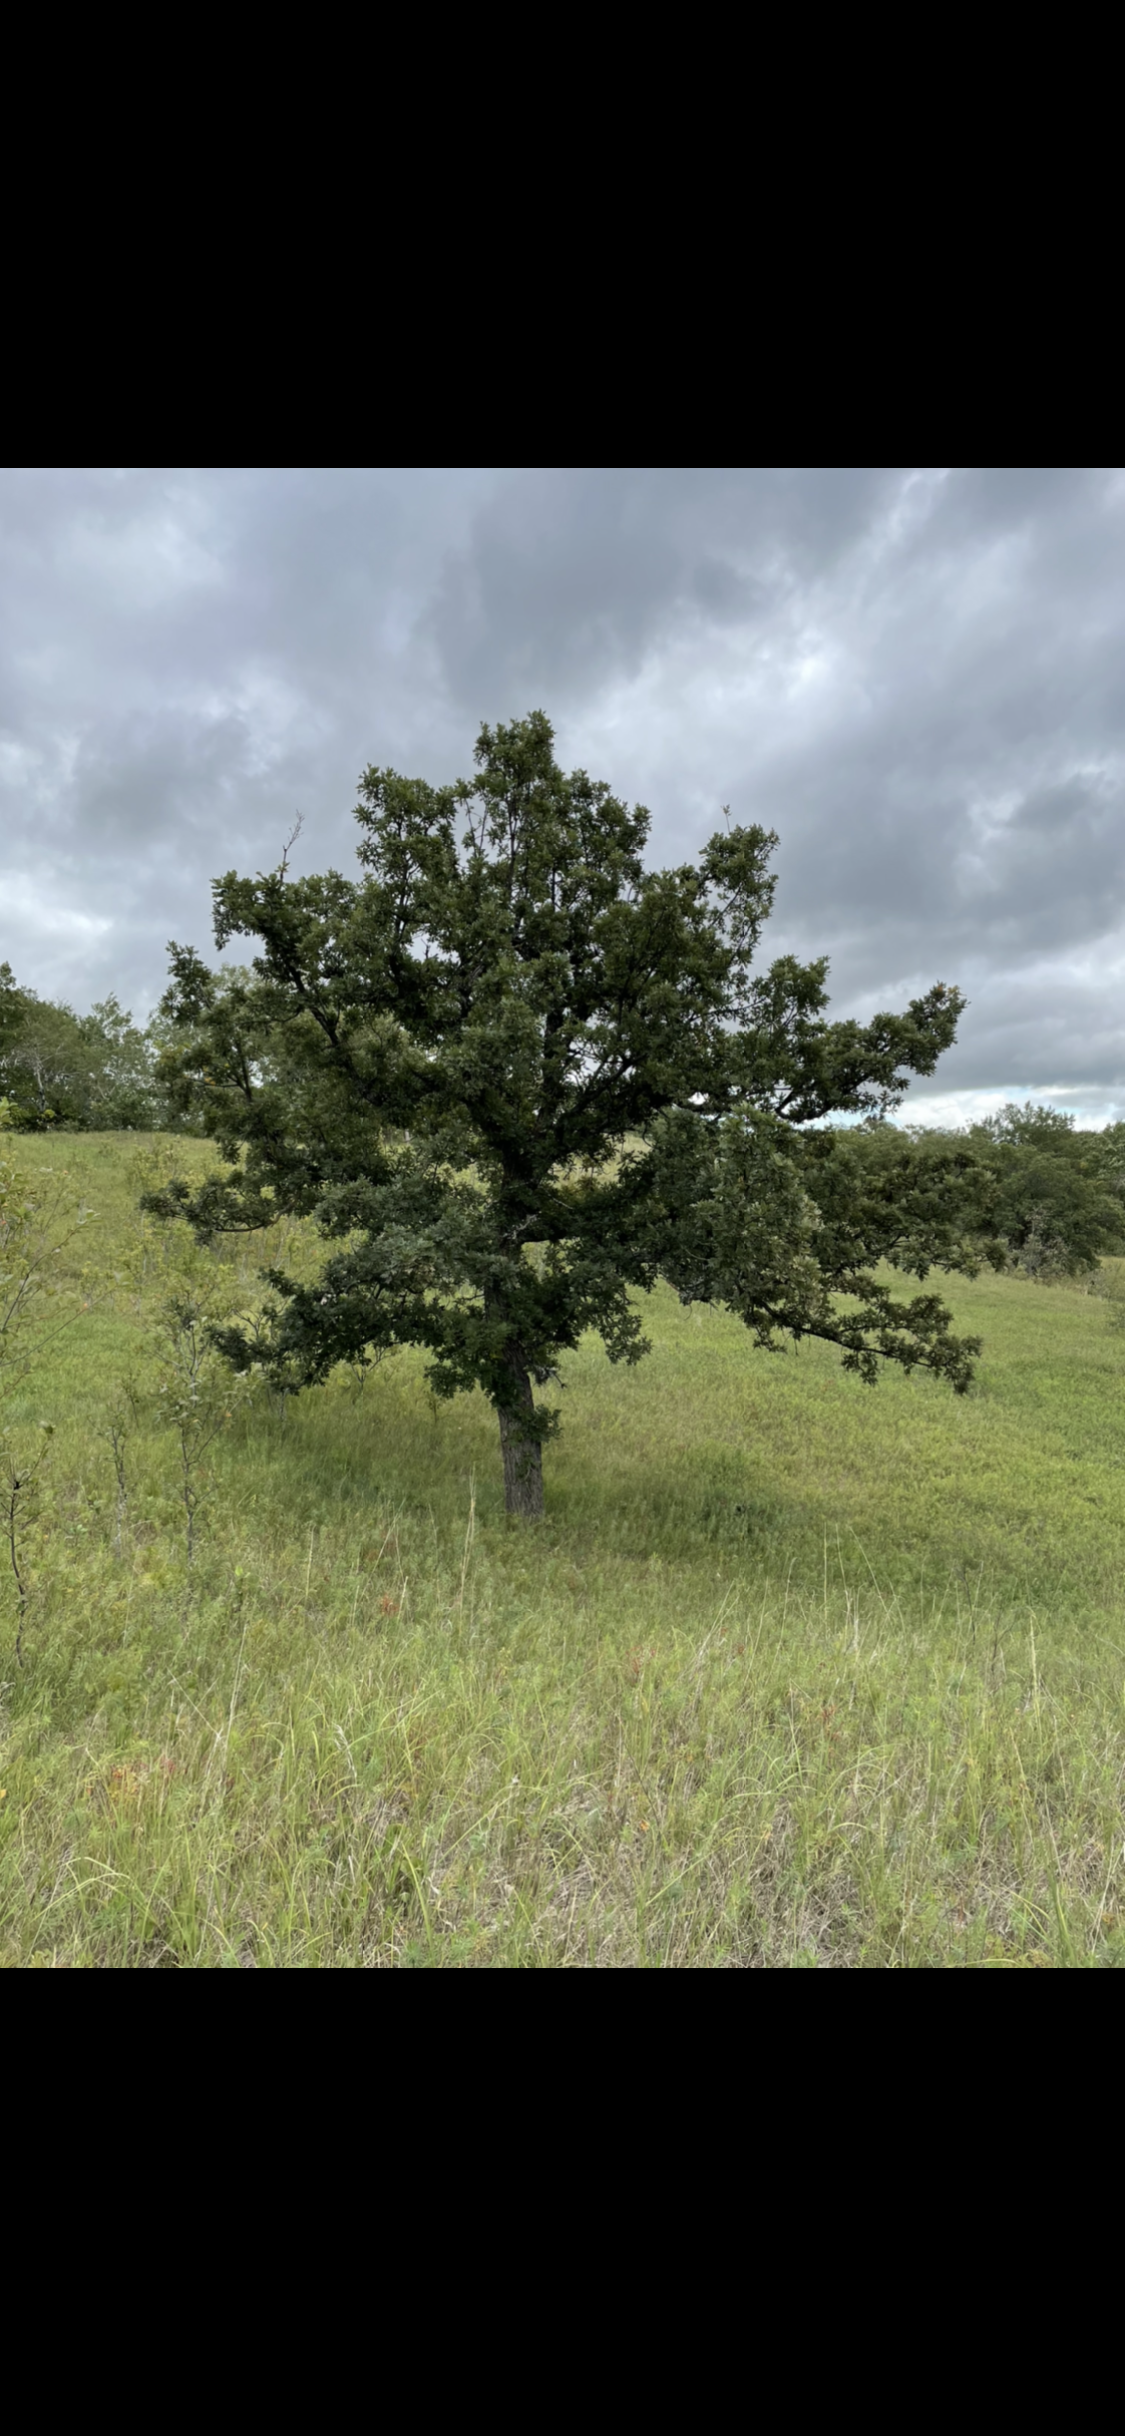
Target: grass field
{"type": "Point", "coordinates": [795, 1672]}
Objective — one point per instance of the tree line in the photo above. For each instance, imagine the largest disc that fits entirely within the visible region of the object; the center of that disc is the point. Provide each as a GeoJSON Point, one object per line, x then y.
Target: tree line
{"type": "Point", "coordinates": [1055, 1195]}
{"type": "Point", "coordinates": [99, 1072]}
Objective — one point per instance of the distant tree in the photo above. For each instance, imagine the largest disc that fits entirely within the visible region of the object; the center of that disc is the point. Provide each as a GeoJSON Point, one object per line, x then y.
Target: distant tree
{"type": "Point", "coordinates": [1106, 1149]}
{"type": "Point", "coordinates": [12, 1004]}
{"type": "Point", "coordinates": [1051, 1196]}
{"type": "Point", "coordinates": [1058, 1208]}
{"type": "Point", "coordinates": [513, 1075]}
{"type": "Point", "coordinates": [122, 1094]}
{"type": "Point", "coordinates": [46, 1065]}
{"type": "Point", "coordinates": [59, 1069]}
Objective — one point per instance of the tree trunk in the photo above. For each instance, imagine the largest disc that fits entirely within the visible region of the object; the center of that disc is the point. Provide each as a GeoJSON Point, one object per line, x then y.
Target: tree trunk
{"type": "Point", "coordinates": [523, 1455]}
{"type": "Point", "coordinates": [521, 1449]}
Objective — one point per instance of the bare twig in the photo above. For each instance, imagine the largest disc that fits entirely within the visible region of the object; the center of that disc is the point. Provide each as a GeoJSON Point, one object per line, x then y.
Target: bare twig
{"type": "Point", "coordinates": [20, 1482]}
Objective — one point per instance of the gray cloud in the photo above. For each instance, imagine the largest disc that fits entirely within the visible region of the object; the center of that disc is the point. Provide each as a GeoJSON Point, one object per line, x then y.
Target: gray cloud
{"type": "Point", "coordinates": [915, 676]}
{"type": "Point", "coordinates": [568, 579]}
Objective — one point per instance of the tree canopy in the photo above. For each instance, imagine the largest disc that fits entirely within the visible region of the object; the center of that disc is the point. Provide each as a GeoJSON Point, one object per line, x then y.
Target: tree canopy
{"type": "Point", "coordinates": [514, 1075]}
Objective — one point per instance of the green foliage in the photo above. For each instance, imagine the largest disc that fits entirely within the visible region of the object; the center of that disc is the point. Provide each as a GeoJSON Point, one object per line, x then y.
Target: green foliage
{"type": "Point", "coordinates": [1059, 1205]}
{"type": "Point", "coordinates": [514, 1076]}
{"type": "Point", "coordinates": [195, 1397]}
{"type": "Point", "coordinates": [76, 1073]}
{"type": "Point", "coordinates": [12, 1006]}
{"type": "Point", "coordinates": [1106, 1149]}
{"type": "Point", "coordinates": [47, 1066]}
{"type": "Point", "coordinates": [1055, 1197]}
{"type": "Point", "coordinates": [122, 1094]}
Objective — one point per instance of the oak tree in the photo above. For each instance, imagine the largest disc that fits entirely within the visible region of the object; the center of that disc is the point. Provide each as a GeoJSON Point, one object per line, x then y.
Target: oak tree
{"type": "Point", "coordinates": [514, 1075]}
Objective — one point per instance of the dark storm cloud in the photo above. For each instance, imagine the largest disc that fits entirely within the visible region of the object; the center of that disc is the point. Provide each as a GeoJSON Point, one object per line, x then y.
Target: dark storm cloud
{"type": "Point", "coordinates": [916, 677]}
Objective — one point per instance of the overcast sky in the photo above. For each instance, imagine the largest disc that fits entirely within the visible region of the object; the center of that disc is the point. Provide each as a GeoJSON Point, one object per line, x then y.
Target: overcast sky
{"type": "Point", "coordinates": [916, 677]}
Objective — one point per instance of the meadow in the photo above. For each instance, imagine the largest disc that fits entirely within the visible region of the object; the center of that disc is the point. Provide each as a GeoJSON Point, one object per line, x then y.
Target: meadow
{"type": "Point", "coordinates": [796, 1673]}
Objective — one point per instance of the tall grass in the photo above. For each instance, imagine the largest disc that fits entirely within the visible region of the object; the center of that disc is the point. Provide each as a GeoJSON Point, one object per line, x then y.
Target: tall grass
{"type": "Point", "coordinates": [793, 1674]}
